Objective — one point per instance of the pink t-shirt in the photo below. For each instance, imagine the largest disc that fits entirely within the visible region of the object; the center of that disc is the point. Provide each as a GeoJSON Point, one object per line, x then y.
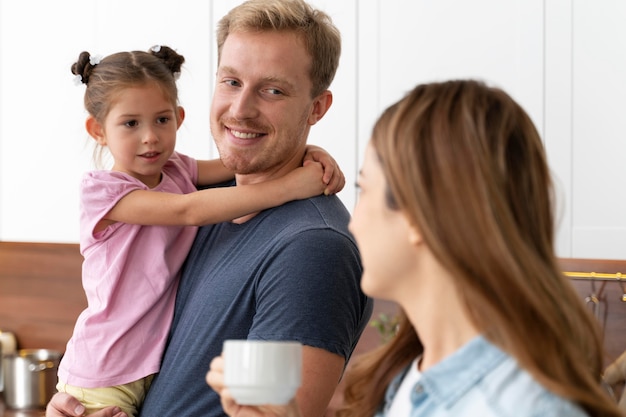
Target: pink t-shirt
{"type": "Point", "coordinates": [130, 276]}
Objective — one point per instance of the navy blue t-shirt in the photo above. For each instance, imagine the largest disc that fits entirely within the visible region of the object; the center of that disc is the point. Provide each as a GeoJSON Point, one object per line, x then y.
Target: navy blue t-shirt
{"type": "Point", "coordinates": [290, 273]}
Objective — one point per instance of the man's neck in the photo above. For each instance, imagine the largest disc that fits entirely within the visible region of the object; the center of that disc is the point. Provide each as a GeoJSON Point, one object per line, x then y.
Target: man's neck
{"type": "Point", "coordinates": [269, 174]}
{"type": "Point", "coordinates": [259, 177]}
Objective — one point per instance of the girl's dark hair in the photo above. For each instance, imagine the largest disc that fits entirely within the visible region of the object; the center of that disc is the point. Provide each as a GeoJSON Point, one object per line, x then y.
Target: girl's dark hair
{"type": "Point", "coordinates": [104, 79]}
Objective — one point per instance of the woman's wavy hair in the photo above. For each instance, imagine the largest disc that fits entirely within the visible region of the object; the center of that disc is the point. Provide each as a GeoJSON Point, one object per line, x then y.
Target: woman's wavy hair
{"type": "Point", "coordinates": [464, 162]}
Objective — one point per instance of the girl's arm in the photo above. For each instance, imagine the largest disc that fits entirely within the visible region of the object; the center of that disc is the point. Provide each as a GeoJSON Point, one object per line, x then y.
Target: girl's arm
{"type": "Point", "coordinates": [215, 205]}
{"type": "Point", "coordinates": [333, 177]}
{"type": "Point", "coordinates": [213, 172]}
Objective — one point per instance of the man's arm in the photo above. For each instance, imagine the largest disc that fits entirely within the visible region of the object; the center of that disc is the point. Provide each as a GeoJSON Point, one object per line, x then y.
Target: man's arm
{"type": "Point", "coordinates": [310, 292]}
{"type": "Point", "coordinates": [321, 371]}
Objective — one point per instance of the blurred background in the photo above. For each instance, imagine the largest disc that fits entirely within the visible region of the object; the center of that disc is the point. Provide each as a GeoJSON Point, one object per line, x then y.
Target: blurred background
{"type": "Point", "coordinates": [562, 60]}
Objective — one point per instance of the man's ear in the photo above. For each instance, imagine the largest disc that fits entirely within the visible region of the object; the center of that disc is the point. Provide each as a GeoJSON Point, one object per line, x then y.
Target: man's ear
{"type": "Point", "coordinates": [180, 116]}
{"type": "Point", "coordinates": [95, 130]}
{"type": "Point", "coordinates": [321, 104]}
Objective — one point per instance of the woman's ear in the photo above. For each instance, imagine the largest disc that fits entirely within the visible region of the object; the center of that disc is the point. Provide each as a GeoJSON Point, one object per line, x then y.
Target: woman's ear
{"type": "Point", "coordinates": [95, 130]}
{"type": "Point", "coordinates": [415, 237]}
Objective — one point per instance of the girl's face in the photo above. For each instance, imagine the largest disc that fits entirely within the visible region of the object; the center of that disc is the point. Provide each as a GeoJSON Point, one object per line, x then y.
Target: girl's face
{"type": "Point", "coordinates": [386, 240]}
{"type": "Point", "coordinates": [140, 132]}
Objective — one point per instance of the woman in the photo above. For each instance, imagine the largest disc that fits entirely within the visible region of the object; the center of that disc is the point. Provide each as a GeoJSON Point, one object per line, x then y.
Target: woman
{"type": "Point", "coordinates": [455, 224]}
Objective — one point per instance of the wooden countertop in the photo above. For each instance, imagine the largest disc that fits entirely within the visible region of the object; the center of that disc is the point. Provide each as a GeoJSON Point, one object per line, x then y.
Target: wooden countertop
{"type": "Point", "coordinates": [6, 412]}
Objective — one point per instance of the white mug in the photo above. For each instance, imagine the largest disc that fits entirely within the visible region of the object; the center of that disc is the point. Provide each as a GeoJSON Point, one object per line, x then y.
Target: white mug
{"type": "Point", "coordinates": [260, 372]}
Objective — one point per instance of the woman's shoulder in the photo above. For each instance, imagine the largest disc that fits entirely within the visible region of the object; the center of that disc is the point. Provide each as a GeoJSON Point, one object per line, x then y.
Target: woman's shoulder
{"type": "Point", "coordinates": [483, 380]}
{"type": "Point", "coordinates": [510, 390]}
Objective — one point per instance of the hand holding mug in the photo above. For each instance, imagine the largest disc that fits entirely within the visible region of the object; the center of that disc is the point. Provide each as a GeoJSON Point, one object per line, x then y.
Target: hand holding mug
{"type": "Point", "coordinates": [257, 378]}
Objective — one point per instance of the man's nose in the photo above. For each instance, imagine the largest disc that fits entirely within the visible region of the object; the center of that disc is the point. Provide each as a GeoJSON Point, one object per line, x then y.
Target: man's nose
{"type": "Point", "coordinates": [244, 106]}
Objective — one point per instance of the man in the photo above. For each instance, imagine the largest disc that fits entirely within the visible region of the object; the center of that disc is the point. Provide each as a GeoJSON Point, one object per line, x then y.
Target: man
{"type": "Point", "coordinates": [290, 273]}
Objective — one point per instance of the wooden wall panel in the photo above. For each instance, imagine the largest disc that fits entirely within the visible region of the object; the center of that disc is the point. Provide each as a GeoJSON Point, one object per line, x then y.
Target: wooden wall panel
{"type": "Point", "coordinates": [41, 296]}
{"type": "Point", "coordinates": [40, 292]}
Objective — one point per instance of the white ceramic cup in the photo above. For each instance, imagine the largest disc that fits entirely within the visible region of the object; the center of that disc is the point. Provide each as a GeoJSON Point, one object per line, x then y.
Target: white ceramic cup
{"type": "Point", "coordinates": [260, 372]}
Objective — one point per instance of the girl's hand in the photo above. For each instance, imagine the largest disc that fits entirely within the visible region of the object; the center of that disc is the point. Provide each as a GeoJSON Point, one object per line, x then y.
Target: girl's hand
{"type": "Point", "coordinates": [215, 379]}
{"type": "Point", "coordinates": [304, 182]}
{"type": "Point", "coordinates": [333, 177]}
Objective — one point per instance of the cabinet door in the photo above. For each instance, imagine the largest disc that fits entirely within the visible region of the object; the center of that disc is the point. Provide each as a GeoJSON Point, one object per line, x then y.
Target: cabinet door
{"type": "Point", "coordinates": [561, 60]}
{"type": "Point", "coordinates": [598, 129]}
{"type": "Point", "coordinates": [404, 42]}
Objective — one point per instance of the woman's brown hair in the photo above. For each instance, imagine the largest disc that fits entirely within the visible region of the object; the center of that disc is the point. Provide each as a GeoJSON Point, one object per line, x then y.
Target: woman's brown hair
{"type": "Point", "coordinates": [465, 164]}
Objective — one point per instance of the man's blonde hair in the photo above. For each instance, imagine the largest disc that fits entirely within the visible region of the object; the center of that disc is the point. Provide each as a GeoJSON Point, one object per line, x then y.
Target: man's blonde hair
{"type": "Point", "coordinates": [321, 38]}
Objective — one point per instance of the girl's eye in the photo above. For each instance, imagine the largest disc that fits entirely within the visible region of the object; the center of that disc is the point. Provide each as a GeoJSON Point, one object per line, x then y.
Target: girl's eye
{"type": "Point", "coordinates": [131, 123]}
{"type": "Point", "coordinates": [163, 120]}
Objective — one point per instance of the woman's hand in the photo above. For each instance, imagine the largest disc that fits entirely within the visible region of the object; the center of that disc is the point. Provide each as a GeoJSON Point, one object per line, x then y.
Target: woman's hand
{"type": "Point", "coordinates": [215, 379]}
{"type": "Point", "coordinates": [64, 405]}
{"type": "Point", "coordinates": [333, 176]}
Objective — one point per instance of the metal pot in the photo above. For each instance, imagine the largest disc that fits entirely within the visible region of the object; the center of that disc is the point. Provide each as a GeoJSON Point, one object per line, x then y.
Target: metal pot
{"type": "Point", "coordinates": [7, 345]}
{"type": "Point", "coordinates": [30, 377]}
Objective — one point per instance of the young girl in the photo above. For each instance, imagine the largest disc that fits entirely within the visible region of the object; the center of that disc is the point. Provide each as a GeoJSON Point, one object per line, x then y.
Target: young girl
{"type": "Point", "coordinates": [455, 224]}
{"type": "Point", "coordinates": [137, 222]}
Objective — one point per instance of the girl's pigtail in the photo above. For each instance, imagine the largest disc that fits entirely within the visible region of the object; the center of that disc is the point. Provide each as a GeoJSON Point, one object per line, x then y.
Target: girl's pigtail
{"type": "Point", "coordinates": [172, 59]}
{"type": "Point", "coordinates": [84, 66]}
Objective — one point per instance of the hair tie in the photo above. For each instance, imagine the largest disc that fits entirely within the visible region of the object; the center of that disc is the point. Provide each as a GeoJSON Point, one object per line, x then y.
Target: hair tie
{"type": "Point", "coordinates": [95, 59]}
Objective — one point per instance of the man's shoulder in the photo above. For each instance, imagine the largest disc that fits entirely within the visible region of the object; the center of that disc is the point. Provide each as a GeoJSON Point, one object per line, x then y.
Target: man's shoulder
{"type": "Point", "coordinates": [320, 219]}
{"type": "Point", "coordinates": [324, 214]}
{"type": "Point", "coordinates": [324, 211]}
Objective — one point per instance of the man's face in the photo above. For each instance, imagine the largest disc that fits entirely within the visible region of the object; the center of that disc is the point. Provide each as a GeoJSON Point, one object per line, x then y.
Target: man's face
{"type": "Point", "coordinates": [262, 107]}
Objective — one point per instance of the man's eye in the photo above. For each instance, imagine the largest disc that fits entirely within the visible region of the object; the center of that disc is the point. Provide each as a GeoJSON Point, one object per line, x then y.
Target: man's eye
{"type": "Point", "coordinates": [232, 83]}
{"type": "Point", "coordinates": [274, 91]}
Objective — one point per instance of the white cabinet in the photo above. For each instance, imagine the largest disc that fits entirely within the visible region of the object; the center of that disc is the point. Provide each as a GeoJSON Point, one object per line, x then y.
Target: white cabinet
{"type": "Point", "coordinates": [598, 186]}
{"type": "Point", "coordinates": [562, 60]}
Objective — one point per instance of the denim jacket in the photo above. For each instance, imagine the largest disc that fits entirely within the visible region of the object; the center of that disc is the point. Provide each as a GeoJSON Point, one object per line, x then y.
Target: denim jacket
{"type": "Point", "coordinates": [480, 380]}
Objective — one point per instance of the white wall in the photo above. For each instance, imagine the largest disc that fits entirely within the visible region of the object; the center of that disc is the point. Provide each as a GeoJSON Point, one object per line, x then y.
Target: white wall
{"type": "Point", "coordinates": [43, 144]}
{"type": "Point", "coordinates": [561, 59]}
